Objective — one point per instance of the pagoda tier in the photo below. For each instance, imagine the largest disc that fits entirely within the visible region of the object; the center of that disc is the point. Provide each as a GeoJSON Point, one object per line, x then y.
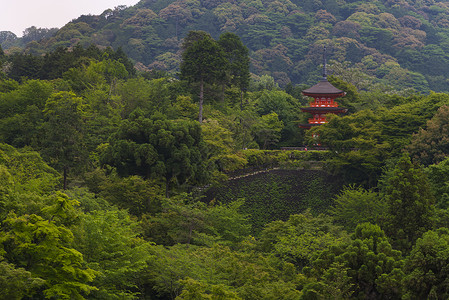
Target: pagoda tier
{"type": "Point", "coordinates": [324, 95]}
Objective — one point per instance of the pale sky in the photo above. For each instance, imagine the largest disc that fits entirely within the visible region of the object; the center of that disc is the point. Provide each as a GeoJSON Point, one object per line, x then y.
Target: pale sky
{"type": "Point", "coordinates": [16, 15]}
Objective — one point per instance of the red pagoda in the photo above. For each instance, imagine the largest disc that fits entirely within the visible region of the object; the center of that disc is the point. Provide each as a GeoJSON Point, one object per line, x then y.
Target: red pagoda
{"type": "Point", "coordinates": [324, 95]}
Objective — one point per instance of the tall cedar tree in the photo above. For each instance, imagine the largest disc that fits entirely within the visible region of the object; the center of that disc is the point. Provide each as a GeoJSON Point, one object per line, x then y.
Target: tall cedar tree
{"type": "Point", "coordinates": [203, 62]}
{"type": "Point", "coordinates": [63, 130]}
{"type": "Point", "coordinates": [238, 58]}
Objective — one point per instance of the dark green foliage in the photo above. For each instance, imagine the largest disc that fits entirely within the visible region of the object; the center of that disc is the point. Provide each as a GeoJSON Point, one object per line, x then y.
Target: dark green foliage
{"type": "Point", "coordinates": [131, 141]}
{"type": "Point", "coordinates": [63, 130]}
{"type": "Point", "coordinates": [359, 147]}
{"type": "Point", "coordinates": [425, 268]}
{"type": "Point", "coordinates": [429, 146]}
{"type": "Point", "coordinates": [369, 36]}
{"type": "Point", "coordinates": [181, 222]}
{"type": "Point", "coordinates": [137, 195]}
{"type": "Point", "coordinates": [277, 194]}
{"type": "Point", "coordinates": [287, 109]}
{"type": "Point", "coordinates": [409, 203]}
{"type": "Point", "coordinates": [355, 205]}
{"type": "Point", "coordinates": [237, 56]}
{"type": "Point", "coordinates": [15, 283]}
{"type": "Point", "coordinates": [203, 62]}
{"type": "Point", "coordinates": [25, 66]}
{"type": "Point", "coordinates": [352, 96]}
{"type": "Point", "coordinates": [371, 268]}
{"type": "Point", "coordinates": [54, 64]}
{"type": "Point", "coordinates": [158, 148]}
{"type": "Point", "coordinates": [438, 175]}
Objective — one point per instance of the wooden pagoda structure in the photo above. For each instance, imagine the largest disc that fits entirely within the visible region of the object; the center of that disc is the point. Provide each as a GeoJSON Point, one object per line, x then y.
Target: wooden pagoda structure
{"type": "Point", "coordinates": [324, 95]}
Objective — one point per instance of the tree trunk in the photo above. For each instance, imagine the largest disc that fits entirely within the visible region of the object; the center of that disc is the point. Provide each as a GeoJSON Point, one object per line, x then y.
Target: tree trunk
{"type": "Point", "coordinates": [222, 92]}
{"type": "Point", "coordinates": [167, 186]}
{"type": "Point", "coordinates": [65, 178]}
{"type": "Point", "coordinates": [200, 115]}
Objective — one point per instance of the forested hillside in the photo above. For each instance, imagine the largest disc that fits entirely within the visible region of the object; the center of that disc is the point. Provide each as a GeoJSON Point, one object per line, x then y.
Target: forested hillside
{"type": "Point", "coordinates": [394, 44]}
{"type": "Point", "coordinates": [123, 180]}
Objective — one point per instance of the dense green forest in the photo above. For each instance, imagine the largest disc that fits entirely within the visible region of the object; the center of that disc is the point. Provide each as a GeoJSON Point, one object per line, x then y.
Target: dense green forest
{"type": "Point", "coordinates": [106, 173]}
{"type": "Point", "coordinates": [122, 178]}
{"type": "Point", "coordinates": [393, 44]}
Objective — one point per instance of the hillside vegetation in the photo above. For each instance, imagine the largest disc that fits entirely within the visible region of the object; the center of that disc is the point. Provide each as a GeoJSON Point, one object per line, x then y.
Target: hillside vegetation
{"type": "Point", "coordinates": [105, 170]}
{"type": "Point", "coordinates": [395, 44]}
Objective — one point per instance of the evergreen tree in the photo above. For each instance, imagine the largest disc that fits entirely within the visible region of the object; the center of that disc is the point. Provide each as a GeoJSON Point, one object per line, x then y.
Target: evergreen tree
{"type": "Point", "coordinates": [409, 203]}
{"type": "Point", "coordinates": [203, 62]}
{"type": "Point", "coordinates": [238, 57]}
{"type": "Point", "coordinates": [63, 132]}
{"type": "Point", "coordinates": [426, 268]}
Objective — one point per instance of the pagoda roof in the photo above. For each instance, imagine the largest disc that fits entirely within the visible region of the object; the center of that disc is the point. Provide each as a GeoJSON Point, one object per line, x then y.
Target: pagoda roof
{"type": "Point", "coordinates": [324, 87]}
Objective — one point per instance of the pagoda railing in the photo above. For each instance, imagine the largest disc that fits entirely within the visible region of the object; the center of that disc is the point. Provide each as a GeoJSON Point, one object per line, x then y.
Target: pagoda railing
{"type": "Point", "coordinates": [317, 121]}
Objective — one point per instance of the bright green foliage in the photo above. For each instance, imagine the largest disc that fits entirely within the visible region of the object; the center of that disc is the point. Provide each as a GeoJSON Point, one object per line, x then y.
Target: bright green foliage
{"type": "Point", "coordinates": [44, 249]}
{"type": "Point", "coordinates": [247, 274]}
{"type": "Point", "coordinates": [158, 148]}
{"type": "Point", "coordinates": [355, 205]}
{"type": "Point", "coordinates": [25, 181]}
{"type": "Point", "coordinates": [126, 140]}
{"type": "Point", "coordinates": [425, 269]}
{"type": "Point", "coordinates": [88, 201]}
{"type": "Point", "coordinates": [373, 267]}
{"type": "Point", "coordinates": [61, 209]}
{"type": "Point", "coordinates": [195, 223]}
{"type": "Point", "coordinates": [352, 97]}
{"type": "Point", "coordinates": [220, 146]}
{"type": "Point", "coordinates": [268, 130]}
{"type": "Point", "coordinates": [300, 237]}
{"type": "Point", "coordinates": [228, 223]}
{"type": "Point", "coordinates": [286, 107]}
{"type": "Point", "coordinates": [21, 112]}
{"type": "Point", "coordinates": [111, 70]}
{"type": "Point", "coordinates": [182, 107]}
{"type": "Point", "coordinates": [409, 203]}
{"type": "Point", "coordinates": [110, 243]}
{"type": "Point", "coordinates": [28, 170]}
{"type": "Point", "coordinates": [194, 290]}
{"type": "Point", "coordinates": [137, 195]}
{"type": "Point", "coordinates": [31, 92]}
{"type": "Point", "coordinates": [150, 96]}
{"type": "Point", "coordinates": [96, 74]}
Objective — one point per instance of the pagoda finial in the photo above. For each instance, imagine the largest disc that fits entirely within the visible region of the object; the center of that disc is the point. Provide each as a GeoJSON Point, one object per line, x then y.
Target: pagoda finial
{"type": "Point", "coordinates": [324, 64]}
